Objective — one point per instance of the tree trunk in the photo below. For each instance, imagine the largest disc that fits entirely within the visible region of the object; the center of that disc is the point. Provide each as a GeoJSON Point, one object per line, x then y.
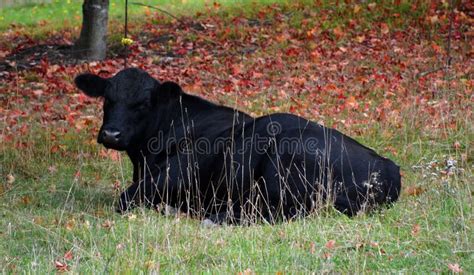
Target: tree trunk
{"type": "Point", "coordinates": [91, 44]}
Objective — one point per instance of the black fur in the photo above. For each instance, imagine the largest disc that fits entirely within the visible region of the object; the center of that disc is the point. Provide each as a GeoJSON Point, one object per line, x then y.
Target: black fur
{"type": "Point", "coordinates": [222, 164]}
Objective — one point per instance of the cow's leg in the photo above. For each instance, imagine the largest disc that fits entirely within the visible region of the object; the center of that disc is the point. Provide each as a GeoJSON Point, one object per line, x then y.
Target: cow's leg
{"type": "Point", "coordinates": [142, 192]}
{"type": "Point", "coordinates": [127, 199]}
{"type": "Point", "coordinates": [346, 206]}
{"type": "Point", "coordinates": [160, 185]}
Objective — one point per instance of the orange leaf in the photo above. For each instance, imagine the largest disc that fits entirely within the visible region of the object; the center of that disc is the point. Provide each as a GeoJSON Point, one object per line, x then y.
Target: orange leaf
{"type": "Point", "coordinates": [70, 224]}
{"type": "Point", "coordinates": [414, 191]}
{"type": "Point", "coordinates": [338, 31]}
{"type": "Point", "coordinates": [351, 102]}
{"type": "Point", "coordinates": [415, 230]}
{"type": "Point", "coordinates": [360, 38]}
{"type": "Point", "coordinates": [357, 8]}
{"type": "Point", "coordinates": [147, 11]}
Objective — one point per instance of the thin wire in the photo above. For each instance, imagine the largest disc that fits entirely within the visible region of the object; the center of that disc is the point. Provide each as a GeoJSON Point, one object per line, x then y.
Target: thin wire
{"type": "Point", "coordinates": [448, 50]}
{"type": "Point", "coordinates": [126, 34]}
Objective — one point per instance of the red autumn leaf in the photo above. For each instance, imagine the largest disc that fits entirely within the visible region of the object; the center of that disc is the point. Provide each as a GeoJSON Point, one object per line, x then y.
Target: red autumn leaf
{"type": "Point", "coordinates": [457, 145]}
{"type": "Point", "coordinates": [61, 267]}
{"type": "Point", "coordinates": [384, 29]}
{"type": "Point", "coordinates": [77, 174]}
{"type": "Point", "coordinates": [181, 51]}
{"type": "Point", "coordinates": [68, 255]}
{"type": "Point", "coordinates": [330, 244]}
{"type": "Point", "coordinates": [312, 247]}
{"type": "Point", "coordinates": [115, 155]}
{"type": "Point", "coordinates": [38, 93]}
{"type": "Point", "coordinates": [456, 268]}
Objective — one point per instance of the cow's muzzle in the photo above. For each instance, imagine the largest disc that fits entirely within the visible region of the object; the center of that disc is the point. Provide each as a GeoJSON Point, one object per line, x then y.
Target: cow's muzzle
{"type": "Point", "coordinates": [110, 137]}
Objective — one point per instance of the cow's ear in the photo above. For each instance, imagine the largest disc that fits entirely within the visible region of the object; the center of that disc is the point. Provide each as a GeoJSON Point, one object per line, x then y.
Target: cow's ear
{"type": "Point", "coordinates": [91, 84]}
{"type": "Point", "coordinates": [168, 90]}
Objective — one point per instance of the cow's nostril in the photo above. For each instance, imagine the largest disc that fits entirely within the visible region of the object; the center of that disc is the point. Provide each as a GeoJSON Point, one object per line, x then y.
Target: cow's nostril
{"type": "Point", "coordinates": [111, 136]}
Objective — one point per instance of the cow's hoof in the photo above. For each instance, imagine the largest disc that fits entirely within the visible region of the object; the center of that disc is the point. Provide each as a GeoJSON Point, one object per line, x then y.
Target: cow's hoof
{"type": "Point", "coordinates": [121, 208]}
{"type": "Point", "coordinates": [125, 204]}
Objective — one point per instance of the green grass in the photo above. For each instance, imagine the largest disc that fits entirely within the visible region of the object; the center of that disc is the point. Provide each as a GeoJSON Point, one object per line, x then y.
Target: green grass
{"type": "Point", "coordinates": [62, 13]}
{"type": "Point", "coordinates": [47, 212]}
{"type": "Point", "coordinates": [68, 13]}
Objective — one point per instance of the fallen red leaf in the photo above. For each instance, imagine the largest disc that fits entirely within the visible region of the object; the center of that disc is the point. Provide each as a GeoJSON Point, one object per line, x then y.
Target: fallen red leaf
{"type": "Point", "coordinates": [330, 244]}
{"type": "Point", "coordinates": [61, 267]}
{"type": "Point", "coordinates": [312, 248]}
{"type": "Point", "coordinates": [68, 255]}
{"type": "Point", "coordinates": [456, 268]}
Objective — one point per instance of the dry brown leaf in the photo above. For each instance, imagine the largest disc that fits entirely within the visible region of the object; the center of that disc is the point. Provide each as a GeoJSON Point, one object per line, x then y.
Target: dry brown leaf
{"type": "Point", "coordinates": [414, 191]}
{"type": "Point", "coordinates": [25, 200]}
{"type": "Point", "coordinates": [70, 224]}
{"type": "Point", "coordinates": [357, 8]}
{"type": "Point", "coordinates": [107, 224]}
{"type": "Point", "coordinates": [10, 179]}
{"type": "Point", "coordinates": [415, 230]}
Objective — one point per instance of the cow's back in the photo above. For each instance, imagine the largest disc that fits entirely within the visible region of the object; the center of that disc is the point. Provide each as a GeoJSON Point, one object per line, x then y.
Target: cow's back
{"type": "Point", "coordinates": [320, 159]}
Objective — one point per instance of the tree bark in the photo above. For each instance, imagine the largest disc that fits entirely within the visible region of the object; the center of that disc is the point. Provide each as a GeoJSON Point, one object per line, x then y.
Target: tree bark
{"type": "Point", "coordinates": [92, 43]}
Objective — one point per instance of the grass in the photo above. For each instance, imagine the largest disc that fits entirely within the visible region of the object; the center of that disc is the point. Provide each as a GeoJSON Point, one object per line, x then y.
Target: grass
{"type": "Point", "coordinates": [62, 13]}
{"type": "Point", "coordinates": [57, 206]}
{"type": "Point", "coordinates": [40, 18]}
{"type": "Point", "coordinates": [50, 210]}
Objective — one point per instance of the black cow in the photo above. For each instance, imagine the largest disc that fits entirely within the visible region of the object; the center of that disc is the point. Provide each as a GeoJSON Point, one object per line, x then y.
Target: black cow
{"type": "Point", "coordinates": [224, 165]}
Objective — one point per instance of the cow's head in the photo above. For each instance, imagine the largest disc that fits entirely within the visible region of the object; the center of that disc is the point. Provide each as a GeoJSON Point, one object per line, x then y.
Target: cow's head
{"type": "Point", "coordinates": [129, 98]}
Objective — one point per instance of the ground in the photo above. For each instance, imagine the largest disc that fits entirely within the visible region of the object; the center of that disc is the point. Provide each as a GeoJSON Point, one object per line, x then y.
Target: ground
{"type": "Point", "coordinates": [376, 71]}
